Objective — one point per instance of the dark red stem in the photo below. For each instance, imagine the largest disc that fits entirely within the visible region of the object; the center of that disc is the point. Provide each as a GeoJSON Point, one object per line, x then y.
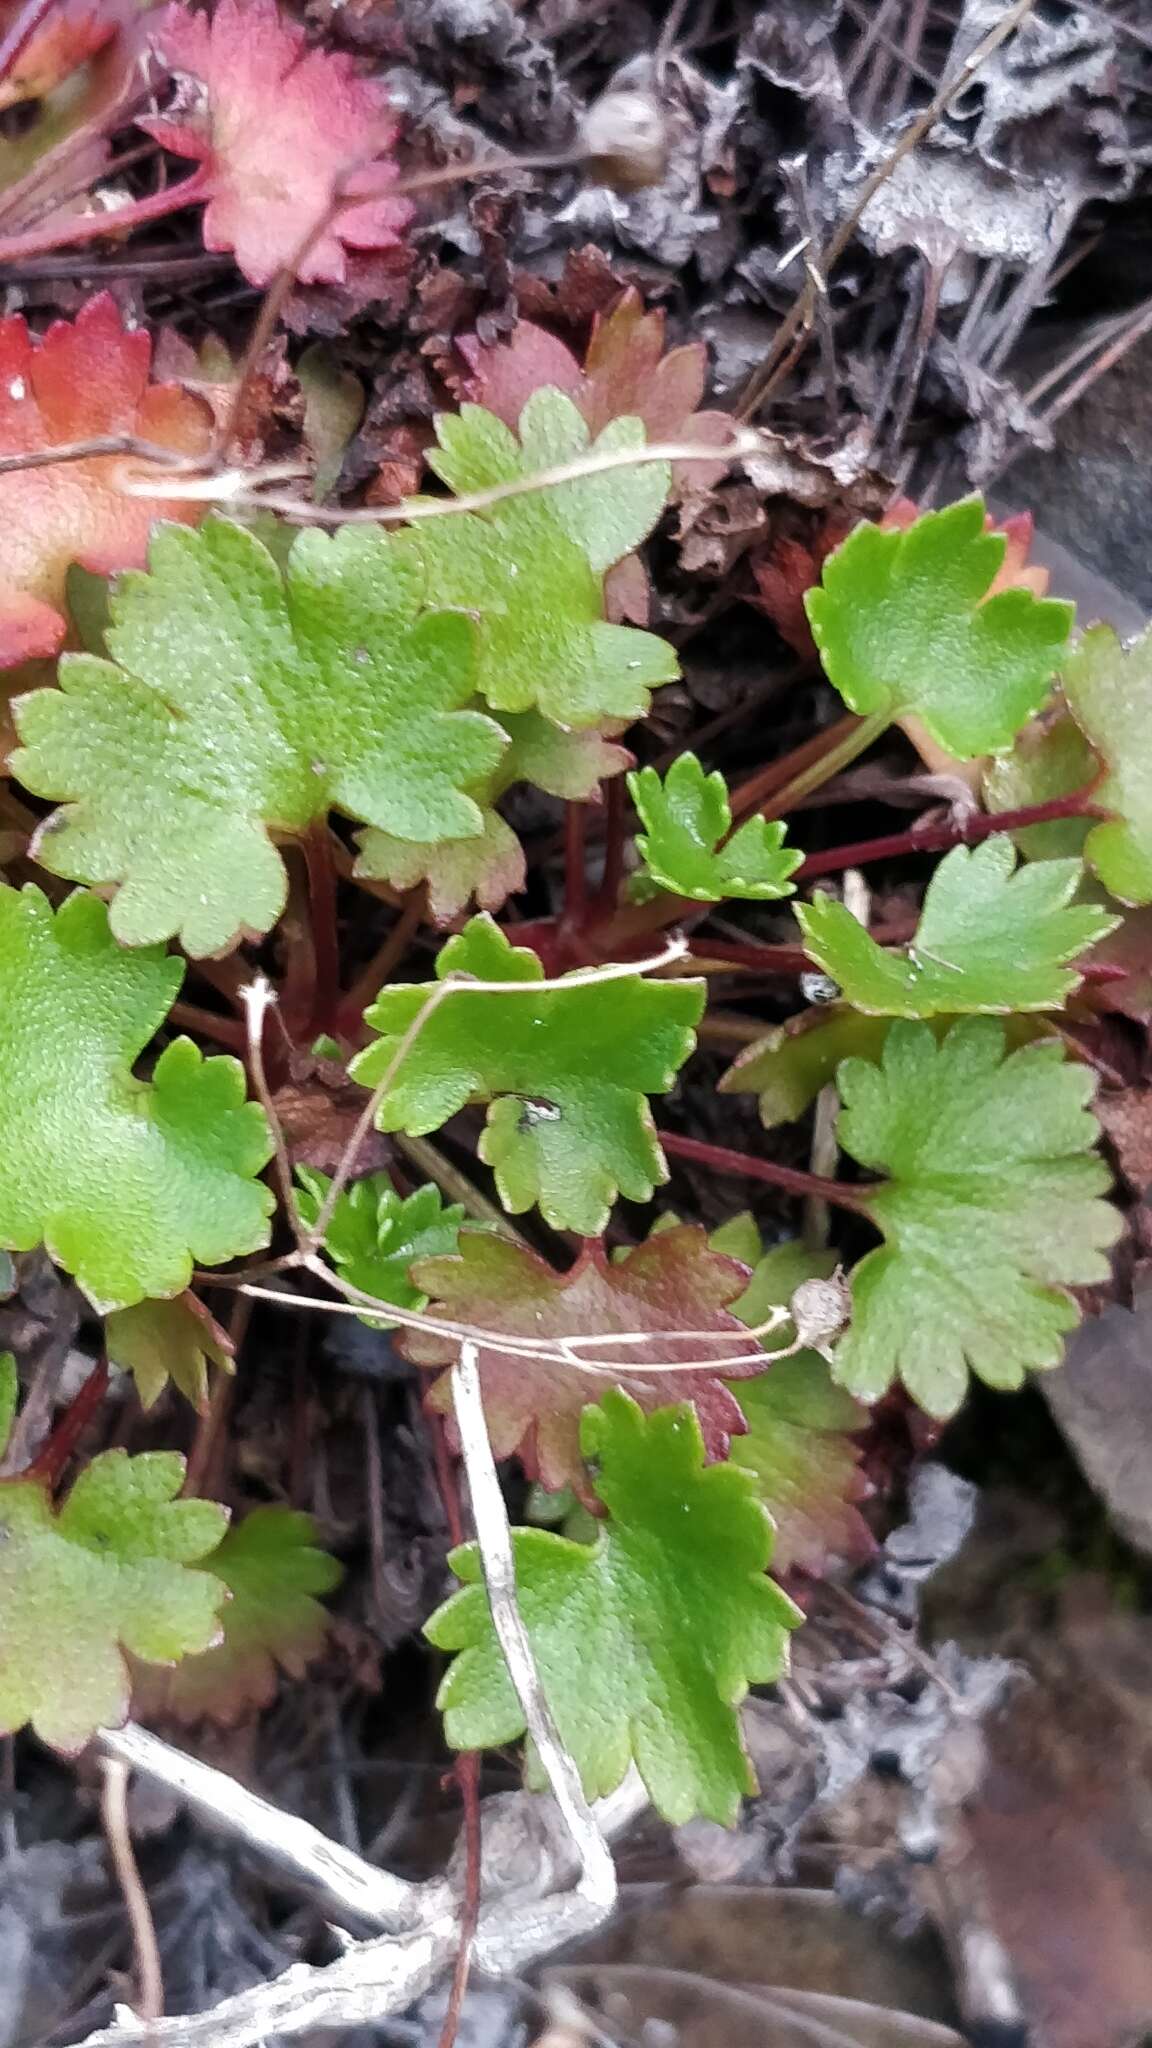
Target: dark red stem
{"type": "Point", "coordinates": [938, 834]}
{"type": "Point", "coordinates": [614, 813]}
{"type": "Point", "coordinates": [467, 1774]}
{"type": "Point", "coordinates": [764, 958]}
{"type": "Point", "coordinates": [317, 844]}
{"type": "Point", "coordinates": [575, 856]}
{"type": "Point", "coordinates": [722, 1159]}
{"type": "Point", "coordinates": [89, 227]}
{"type": "Point", "coordinates": [59, 1446]}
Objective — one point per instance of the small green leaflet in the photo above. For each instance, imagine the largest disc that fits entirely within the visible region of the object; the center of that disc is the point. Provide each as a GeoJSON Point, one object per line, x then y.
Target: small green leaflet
{"type": "Point", "coordinates": [685, 817]}
{"type": "Point", "coordinates": [991, 937]}
{"type": "Point", "coordinates": [126, 1182]}
{"type": "Point", "coordinates": [800, 1424]}
{"type": "Point", "coordinates": [244, 702]}
{"type": "Point", "coordinates": [375, 1234]}
{"type": "Point", "coordinates": [532, 567]}
{"type": "Point", "coordinates": [1109, 688]}
{"type": "Point", "coordinates": [647, 1639]}
{"type": "Point", "coordinates": [905, 626]}
{"type": "Point", "coordinates": [158, 1341]}
{"type": "Point", "coordinates": [991, 1210]}
{"type": "Point", "coordinates": [566, 1071]}
{"type": "Point", "coordinates": [270, 1564]}
{"type": "Point", "coordinates": [108, 1573]}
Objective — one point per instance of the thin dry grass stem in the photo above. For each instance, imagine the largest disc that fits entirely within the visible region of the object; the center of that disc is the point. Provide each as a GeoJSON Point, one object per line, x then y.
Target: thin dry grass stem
{"type": "Point", "coordinates": [246, 486]}
{"type": "Point", "coordinates": [798, 321]}
{"type": "Point", "coordinates": [118, 1834]}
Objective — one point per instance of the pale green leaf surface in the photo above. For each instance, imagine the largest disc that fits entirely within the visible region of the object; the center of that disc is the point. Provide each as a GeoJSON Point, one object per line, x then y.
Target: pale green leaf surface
{"type": "Point", "coordinates": [243, 702]}
{"type": "Point", "coordinates": [1109, 688]}
{"type": "Point", "coordinates": [566, 1072]}
{"type": "Point", "coordinates": [485, 868]}
{"type": "Point", "coordinates": [273, 1622]}
{"type": "Point", "coordinates": [1051, 758]}
{"type": "Point", "coordinates": [127, 1182]}
{"type": "Point", "coordinates": [992, 936]}
{"type": "Point", "coordinates": [606, 515]}
{"type": "Point", "coordinates": [992, 1209]}
{"type": "Point", "coordinates": [532, 567]}
{"type": "Point", "coordinates": [647, 1639]}
{"type": "Point", "coordinates": [567, 764]}
{"type": "Point", "coordinates": [108, 1573]}
{"type": "Point", "coordinates": [158, 1341]}
{"type": "Point", "coordinates": [905, 626]}
{"type": "Point", "coordinates": [375, 1234]}
{"type": "Point", "coordinates": [685, 817]}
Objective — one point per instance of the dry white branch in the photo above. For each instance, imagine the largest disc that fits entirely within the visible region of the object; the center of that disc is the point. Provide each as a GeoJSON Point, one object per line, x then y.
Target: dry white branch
{"type": "Point", "coordinates": [523, 1839]}
{"type": "Point", "coordinates": [369, 1981]}
{"type": "Point", "coordinates": [596, 1886]}
{"type": "Point", "coordinates": [347, 1886]}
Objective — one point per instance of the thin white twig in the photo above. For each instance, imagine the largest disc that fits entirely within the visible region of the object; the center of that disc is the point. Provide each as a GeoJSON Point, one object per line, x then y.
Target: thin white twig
{"type": "Point", "coordinates": [244, 487]}
{"type": "Point", "coordinates": [597, 1881]}
{"type": "Point", "coordinates": [258, 997]}
{"type": "Point", "coordinates": [550, 1350]}
{"type": "Point", "coordinates": [350, 1888]}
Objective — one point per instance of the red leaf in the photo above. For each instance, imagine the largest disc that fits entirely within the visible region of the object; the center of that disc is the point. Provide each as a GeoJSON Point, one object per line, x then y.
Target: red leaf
{"type": "Point", "coordinates": [672, 1282]}
{"type": "Point", "coordinates": [278, 125]}
{"type": "Point", "coordinates": [505, 374]}
{"type": "Point", "coordinates": [82, 380]}
{"type": "Point", "coordinates": [625, 373]}
{"type": "Point", "coordinates": [72, 32]}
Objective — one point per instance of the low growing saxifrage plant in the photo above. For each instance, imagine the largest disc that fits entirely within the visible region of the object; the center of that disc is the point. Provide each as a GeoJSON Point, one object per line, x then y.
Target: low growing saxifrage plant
{"type": "Point", "coordinates": [272, 725]}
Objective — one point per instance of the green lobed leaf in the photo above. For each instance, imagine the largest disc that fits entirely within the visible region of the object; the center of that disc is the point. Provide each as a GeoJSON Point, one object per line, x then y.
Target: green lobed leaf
{"type": "Point", "coordinates": [375, 1234]}
{"type": "Point", "coordinates": [245, 701]}
{"type": "Point", "coordinates": [273, 1622]}
{"type": "Point", "coordinates": [606, 515]}
{"type": "Point", "coordinates": [158, 1341]}
{"type": "Point", "coordinates": [532, 567]}
{"type": "Point", "coordinates": [108, 1573]}
{"type": "Point", "coordinates": [798, 1442]}
{"type": "Point", "coordinates": [991, 1211]}
{"type": "Point", "coordinates": [647, 1639]}
{"type": "Point", "coordinates": [789, 1066]}
{"type": "Point", "coordinates": [1109, 689]}
{"type": "Point", "coordinates": [905, 625]}
{"type": "Point", "coordinates": [685, 817]}
{"type": "Point", "coordinates": [566, 1072]}
{"type": "Point", "coordinates": [992, 936]}
{"type": "Point", "coordinates": [126, 1181]}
